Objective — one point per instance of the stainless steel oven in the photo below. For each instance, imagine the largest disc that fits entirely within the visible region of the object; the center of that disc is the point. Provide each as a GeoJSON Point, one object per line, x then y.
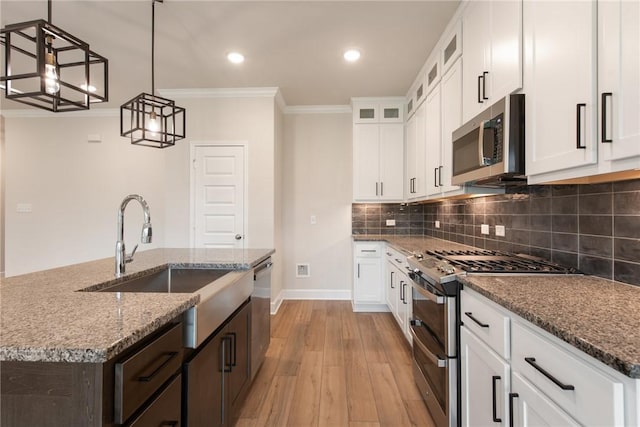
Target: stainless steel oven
{"type": "Point", "coordinates": [434, 327]}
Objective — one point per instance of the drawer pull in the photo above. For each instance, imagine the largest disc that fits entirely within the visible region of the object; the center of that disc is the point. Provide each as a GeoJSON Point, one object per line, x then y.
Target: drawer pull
{"type": "Point", "coordinates": [168, 357]}
{"type": "Point", "coordinates": [532, 361]}
{"type": "Point", "coordinates": [511, 397]}
{"type": "Point", "coordinates": [470, 316]}
{"type": "Point", "coordinates": [370, 250]}
{"type": "Point", "coordinates": [494, 379]}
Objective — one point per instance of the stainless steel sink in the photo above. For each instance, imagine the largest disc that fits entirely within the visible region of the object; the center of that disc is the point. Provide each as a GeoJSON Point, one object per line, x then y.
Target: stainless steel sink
{"type": "Point", "coordinates": [171, 280]}
{"type": "Point", "coordinates": [221, 292]}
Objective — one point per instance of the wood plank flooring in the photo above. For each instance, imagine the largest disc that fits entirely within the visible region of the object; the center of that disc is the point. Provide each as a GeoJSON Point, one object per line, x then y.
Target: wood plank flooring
{"type": "Point", "coordinates": [329, 367]}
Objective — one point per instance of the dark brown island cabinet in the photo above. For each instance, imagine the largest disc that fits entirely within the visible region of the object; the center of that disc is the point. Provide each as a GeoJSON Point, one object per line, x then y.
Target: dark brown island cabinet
{"type": "Point", "coordinates": [156, 382]}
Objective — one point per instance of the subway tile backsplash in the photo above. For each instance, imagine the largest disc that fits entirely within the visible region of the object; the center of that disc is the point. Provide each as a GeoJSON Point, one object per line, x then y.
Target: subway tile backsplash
{"type": "Point", "coordinates": [592, 227]}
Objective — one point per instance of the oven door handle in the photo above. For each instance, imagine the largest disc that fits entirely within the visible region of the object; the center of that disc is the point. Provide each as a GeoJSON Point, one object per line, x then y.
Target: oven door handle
{"type": "Point", "coordinates": [438, 361]}
{"type": "Point", "coordinates": [438, 299]}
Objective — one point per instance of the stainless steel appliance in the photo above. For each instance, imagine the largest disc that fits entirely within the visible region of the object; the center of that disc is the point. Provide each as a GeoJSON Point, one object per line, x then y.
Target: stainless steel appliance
{"type": "Point", "coordinates": [436, 341]}
{"type": "Point", "coordinates": [489, 149]}
{"type": "Point", "coordinates": [260, 314]}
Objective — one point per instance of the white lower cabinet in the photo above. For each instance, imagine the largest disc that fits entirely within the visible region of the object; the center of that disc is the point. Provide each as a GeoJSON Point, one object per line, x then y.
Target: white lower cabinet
{"type": "Point", "coordinates": [485, 383]}
{"type": "Point", "coordinates": [543, 381]}
{"type": "Point", "coordinates": [531, 408]}
{"type": "Point", "coordinates": [398, 290]}
{"type": "Point", "coordinates": [368, 291]}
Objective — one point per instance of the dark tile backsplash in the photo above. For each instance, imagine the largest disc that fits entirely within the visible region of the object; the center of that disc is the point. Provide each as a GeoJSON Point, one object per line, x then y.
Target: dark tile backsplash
{"type": "Point", "coordinates": [592, 227]}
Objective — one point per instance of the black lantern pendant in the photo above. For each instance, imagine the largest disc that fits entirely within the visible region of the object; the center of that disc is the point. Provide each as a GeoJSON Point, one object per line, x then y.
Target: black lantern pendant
{"type": "Point", "coordinates": [151, 120]}
{"type": "Point", "coordinates": [46, 67]}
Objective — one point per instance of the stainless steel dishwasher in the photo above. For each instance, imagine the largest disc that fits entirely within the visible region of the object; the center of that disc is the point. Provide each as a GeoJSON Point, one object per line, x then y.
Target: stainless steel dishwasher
{"type": "Point", "coordinates": [260, 314]}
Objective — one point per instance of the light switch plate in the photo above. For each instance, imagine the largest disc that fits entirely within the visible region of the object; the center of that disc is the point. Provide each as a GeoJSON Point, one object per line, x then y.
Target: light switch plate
{"type": "Point", "coordinates": [437, 224]}
{"type": "Point", "coordinates": [391, 223]}
{"type": "Point", "coordinates": [500, 230]}
{"type": "Point", "coordinates": [484, 229]}
{"type": "Point", "coordinates": [313, 220]}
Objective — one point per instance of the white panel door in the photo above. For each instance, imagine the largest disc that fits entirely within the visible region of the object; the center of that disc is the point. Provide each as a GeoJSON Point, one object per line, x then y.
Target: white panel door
{"type": "Point", "coordinates": [534, 409]}
{"type": "Point", "coordinates": [451, 87]}
{"type": "Point", "coordinates": [433, 144]}
{"type": "Point", "coordinates": [476, 44]}
{"type": "Point", "coordinates": [505, 75]}
{"type": "Point", "coordinates": [366, 152]}
{"type": "Point", "coordinates": [559, 84]}
{"type": "Point", "coordinates": [391, 161]}
{"type": "Point", "coordinates": [619, 78]}
{"type": "Point", "coordinates": [218, 196]}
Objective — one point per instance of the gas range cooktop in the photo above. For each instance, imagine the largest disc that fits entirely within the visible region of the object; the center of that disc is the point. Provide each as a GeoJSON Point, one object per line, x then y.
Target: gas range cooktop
{"type": "Point", "coordinates": [479, 261]}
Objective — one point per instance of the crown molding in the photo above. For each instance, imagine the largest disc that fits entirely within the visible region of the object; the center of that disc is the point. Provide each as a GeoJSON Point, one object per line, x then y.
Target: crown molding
{"type": "Point", "coordinates": [280, 102]}
{"type": "Point", "coordinates": [243, 92]}
{"type": "Point", "coordinates": [318, 109]}
{"type": "Point", "coordinates": [378, 99]}
{"type": "Point", "coordinates": [38, 113]}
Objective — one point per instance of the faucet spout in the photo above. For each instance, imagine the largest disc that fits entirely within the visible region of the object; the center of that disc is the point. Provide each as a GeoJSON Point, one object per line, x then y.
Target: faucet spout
{"type": "Point", "coordinates": [121, 256]}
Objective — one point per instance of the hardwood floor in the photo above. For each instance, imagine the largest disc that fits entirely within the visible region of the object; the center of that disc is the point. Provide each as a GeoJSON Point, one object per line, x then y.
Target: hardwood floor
{"type": "Point", "coordinates": [328, 366]}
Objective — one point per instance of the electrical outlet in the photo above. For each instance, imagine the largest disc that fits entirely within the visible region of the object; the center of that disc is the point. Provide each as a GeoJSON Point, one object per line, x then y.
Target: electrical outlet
{"type": "Point", "coordinates": [484, 229]}
{"type": "Point", "coordinates": [437, 224]}
{"type": "Point", "coordinates": [24, 208]}
{"type": "Point", "coordinates": [391, 223]}
{"type": "Point", "coordinates": [500, 230]}
{"type": "Point", "coordinates": [313, 220]}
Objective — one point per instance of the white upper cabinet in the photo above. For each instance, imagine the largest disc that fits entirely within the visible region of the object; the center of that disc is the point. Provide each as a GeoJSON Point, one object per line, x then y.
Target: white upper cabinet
{"type": "Point", "coordinates": [416, 154]}
{"type": "Point", "coordinates": [492, 40]}
{"type": "Point", "coordinates": [378, 112]}
{"type": "Point", "coordinates": [559, 84]}
{"type": "Point", "coordinates": [433, 142]}
{"type": "Point", "coordinates": [619, 79]}
{"type": "Point", "coordinates": [451, 46]}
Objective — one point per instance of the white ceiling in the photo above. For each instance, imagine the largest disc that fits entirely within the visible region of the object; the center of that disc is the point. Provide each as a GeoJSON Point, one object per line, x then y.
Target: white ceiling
{"type": "Point", "coordinates": [294, 45]}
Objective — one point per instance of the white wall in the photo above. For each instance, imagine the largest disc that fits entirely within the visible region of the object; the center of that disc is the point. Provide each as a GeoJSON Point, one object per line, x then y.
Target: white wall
{"type": "Point", "coordinates": [75, 189]}
{"type": "Point", "coordinates": [277, 278]}
{"type": "Point", "coordinates": [317, 181]}
{"type": "Point", "coordinates": [224, 119]}
{"type": "Point", "coordinates": [2, 187]}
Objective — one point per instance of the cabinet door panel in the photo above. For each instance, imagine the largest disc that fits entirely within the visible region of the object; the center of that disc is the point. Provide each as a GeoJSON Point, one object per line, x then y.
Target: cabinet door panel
{"type": "Point", "coordinates": [475, 36]}
{"type": "Point", "coordinates": [619, 75]}
{"type": "Point", "coordinates": [411, 155]}
{"type": "Point", "coordinates": [559, 75]}
{"type": "Point", "coordinates": [433, 141]}
{"type": "Point", "coordinates": [479, 367]}
{"type": "Point", "coordinates": [367, 287]}
{"type": "Point", "coordinates": [239, 376]}
{"type": "Point", "coordinates": [505, 75]}
{"type": "Point", "coordinates": [204, 384]}
{"type": "Point", "coordinates": [451, 120]}
{"type": "Point", "coordinates": [391, 161]}
{"type": "Point", "coordinates": [419, 188]}
{"type": "Point", "coordinates": [534, 409]}
{"type": "Point", "coordinates": [365, 162]}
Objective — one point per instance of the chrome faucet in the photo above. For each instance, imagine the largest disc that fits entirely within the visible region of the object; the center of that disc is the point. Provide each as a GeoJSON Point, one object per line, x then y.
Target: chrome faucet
{"type": "Point", "coordinates": [121, 256]}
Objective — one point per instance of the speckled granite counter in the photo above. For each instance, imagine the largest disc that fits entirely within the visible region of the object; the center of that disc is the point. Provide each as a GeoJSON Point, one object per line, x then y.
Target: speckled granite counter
{"type": "Point", "coordinates": [44, 318]}
{"type": "Point", "coordinates": [597, 316]}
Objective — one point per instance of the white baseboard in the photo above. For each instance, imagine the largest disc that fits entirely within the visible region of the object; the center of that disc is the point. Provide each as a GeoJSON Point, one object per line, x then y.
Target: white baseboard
{"type": "Point", "coordinates": [309, 294]}
{"type": "Point", "coordinates": [369, 308]}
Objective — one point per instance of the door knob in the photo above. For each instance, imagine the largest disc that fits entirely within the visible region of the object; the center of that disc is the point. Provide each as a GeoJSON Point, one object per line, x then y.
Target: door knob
{"type": "Point", "coordinates": [238, 236]}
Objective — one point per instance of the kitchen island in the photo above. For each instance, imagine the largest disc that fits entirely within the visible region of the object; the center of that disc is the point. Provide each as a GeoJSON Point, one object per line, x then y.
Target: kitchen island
{"type": "Point", "coordinates": [61, 339]}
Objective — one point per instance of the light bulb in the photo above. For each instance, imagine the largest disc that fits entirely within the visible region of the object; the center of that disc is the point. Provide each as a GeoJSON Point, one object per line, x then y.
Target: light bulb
{"type": "Point", "coordinates": [51, 84]}
{"type": "Point", "coordinates": [153, 125]}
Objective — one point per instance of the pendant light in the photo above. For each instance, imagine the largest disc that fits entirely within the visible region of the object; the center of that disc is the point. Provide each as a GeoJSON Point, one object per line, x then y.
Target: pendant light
{"type": "Point", "coordinates": [48, 68]}
{"type": "Point", "coordinates": [151, 120]}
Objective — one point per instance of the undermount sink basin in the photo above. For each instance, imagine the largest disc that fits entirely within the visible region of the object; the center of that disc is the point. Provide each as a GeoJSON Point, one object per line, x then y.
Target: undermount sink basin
{"type": "Point", "coordinates": [171, 280]}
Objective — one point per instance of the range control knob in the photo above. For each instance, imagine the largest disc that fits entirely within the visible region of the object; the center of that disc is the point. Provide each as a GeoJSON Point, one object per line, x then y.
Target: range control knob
{"type": "Point", "coordinates": [419, 257]}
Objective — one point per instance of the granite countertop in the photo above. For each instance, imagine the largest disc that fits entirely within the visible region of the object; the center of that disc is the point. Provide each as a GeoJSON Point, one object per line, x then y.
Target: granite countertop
{"type": "Point", "coordinates": [597, 316]}
{"type": "Point", "coordinates": [44, 318]}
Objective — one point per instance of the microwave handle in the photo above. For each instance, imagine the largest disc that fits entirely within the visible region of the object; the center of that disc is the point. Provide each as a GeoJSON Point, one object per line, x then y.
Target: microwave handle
{"type": "Point", "coordinates": [481, 143]}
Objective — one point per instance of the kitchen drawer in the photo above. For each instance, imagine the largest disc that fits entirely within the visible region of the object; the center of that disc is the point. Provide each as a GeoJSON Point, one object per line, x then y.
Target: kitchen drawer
{"type": "Point", "coordinates": [164, 410]}
{"type": "Point", "coordinates": [142, 373]}
{"type": "Point", "coordinates": [590, 395]}
{"type": "Point", "coordinates": [397, 258]}
{"type": "Point", "coordinates": [486, 321]}
{"type": "Point", "coordinates": [368, 250]}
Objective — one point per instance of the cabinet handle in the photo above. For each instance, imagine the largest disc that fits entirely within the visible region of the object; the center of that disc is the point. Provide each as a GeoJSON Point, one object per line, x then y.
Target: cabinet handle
{"type": "Point", "coordinates": [579, 126]}
{"type": "Point", "coordinates": [234, 348]}
{"type": "Point", "coordinates": [402, 290]}
{"type": "Point", "coordinates": [414, 185]}
{"type": "Point", "coordinates": [369, 250]}
{"type": "Point", "coordinates": [479, 95]}
{"type": "Point", "coordinates": [376, 188]}
{"type": "Point", "coordinates": [435, 176]}
{"type": "Point", "coordinates": [532, 361]}
{"type": "Point", "coordinates": [226, 367]}
{"type": "Point", "coordinates": [392, 287]}
{"type": "Point", "coordinates": [404, 300]}
{"type": "Point", "coordinates": [398, 260]}
{"type": "Point", "coordinates": [511, 397]}
{"type": "Point", "coordinates": [358, 270]}
{"type": "Point", "coordinates": [440, 176]}
{"type": "Point", "coordinates": [470, 316]}
{"type": "Point", "coordinates": [494, 379]}
{"type": "Point", "coordinates": [605, 95]}
{"type": "Point", "coordinates": [382, 188]}
{"type": "Point", "coordinates": [168, 356]}
{"type": "Point", "coordinates": [484, 84]}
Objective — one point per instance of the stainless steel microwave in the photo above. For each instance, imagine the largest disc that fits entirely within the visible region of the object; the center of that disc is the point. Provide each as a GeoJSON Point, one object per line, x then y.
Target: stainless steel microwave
{"type": "Point", "coordinates": [489, 149]}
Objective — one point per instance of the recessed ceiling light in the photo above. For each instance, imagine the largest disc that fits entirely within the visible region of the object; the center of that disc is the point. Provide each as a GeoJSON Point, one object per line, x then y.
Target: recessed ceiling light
{"type": "Point", "coordinates": [352, 55]}
{"type": "Point", "coordinates": [235, 57]}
